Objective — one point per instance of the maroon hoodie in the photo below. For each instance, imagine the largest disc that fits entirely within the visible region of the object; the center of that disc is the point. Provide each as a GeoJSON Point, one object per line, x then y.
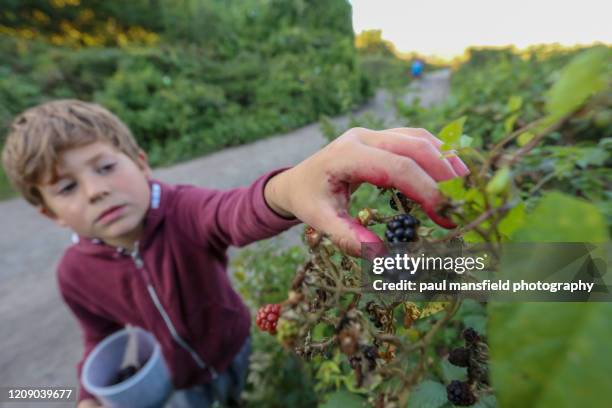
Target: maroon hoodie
{"type": "Point", "coordinates": [175, 284]}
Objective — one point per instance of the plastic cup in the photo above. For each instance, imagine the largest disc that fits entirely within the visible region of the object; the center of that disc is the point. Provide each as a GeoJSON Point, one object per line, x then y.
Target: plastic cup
{"type": "Point", "coordinates": [150, 387]}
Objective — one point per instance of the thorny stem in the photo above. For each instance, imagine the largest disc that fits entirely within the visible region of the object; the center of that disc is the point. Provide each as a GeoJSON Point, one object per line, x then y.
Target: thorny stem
{"type": "Point", "coordinates": [541, 183]}
{"type": "Point", "coordinates": [408, 380]}
{"type": "Point", "coordinates": [336, 289]}
{"type": "Point", "coordinates": [499, 145]}
{"type": "Point", "coordinates": [536, 140]}
{"type": "Point", "coordinates": [323, 344]}
{"type": "Point", "coordinates": [482, 217]}
{"type": "Point", "coordinates": [398, 202]}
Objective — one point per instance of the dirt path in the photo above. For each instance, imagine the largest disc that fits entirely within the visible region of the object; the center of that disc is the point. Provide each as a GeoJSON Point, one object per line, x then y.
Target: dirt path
{"type": "Point", "coordinates": [40, 338]}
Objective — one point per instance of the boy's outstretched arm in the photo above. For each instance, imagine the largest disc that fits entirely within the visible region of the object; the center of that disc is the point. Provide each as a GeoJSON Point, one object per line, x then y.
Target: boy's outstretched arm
{"type": "Point", "coordinates": [317, 191]}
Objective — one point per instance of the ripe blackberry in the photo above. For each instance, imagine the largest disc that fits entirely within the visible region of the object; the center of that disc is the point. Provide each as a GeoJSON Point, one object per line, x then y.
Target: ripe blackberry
{"type": "Point", "coordinates": [460, 393]}
{"type": "Point", "coordinates": [124, 374]}
{"type": "Point", "coordinates": [470, 336]}
{"type": "Point", "coordinates": [405, 201]}
{"type": "Point", "coordinates": [459, 357]}
{"type": "Point", "coordinates": [402, 228]}
{"type": "Point", "coordinates": [267, 317]}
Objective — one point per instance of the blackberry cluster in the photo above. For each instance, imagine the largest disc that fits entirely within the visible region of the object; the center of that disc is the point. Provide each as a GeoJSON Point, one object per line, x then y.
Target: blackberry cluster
{"type": "Point", "coordinates": [267, 317]}
{"type": "Point", "coordinates": [124, 374]}
{"type": "Point", "coordinates": [402, 228]}
{"type": "Point", "coordinates": [474, 356]}
{"type": "Point", "coordinates": [460, 393]}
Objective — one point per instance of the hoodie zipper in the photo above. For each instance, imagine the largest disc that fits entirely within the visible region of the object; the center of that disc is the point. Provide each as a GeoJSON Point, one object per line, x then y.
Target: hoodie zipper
{"type": "Point", "coordinates": [177, 338]}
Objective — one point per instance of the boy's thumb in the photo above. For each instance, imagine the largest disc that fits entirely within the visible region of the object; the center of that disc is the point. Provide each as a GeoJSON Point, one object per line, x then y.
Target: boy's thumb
{"type": "Point", "coordinates": [347, 233]}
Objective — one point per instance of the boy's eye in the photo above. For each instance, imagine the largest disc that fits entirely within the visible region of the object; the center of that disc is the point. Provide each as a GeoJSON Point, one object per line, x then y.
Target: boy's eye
{"type": "Point", "coordinates": [67, 188]}
{"type": "Point", "coordinates": [108, 167]}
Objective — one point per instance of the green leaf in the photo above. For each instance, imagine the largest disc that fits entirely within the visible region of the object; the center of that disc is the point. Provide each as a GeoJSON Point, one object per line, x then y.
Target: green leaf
{"type": "Point", "coordinates": [452, 188]}
{"type": "Point", "coordinates": [431, 308]}
{"type": "Point", "coordinates": [477, 322]}
{"type": "Point", "coordinates": [465, 141]}
{"type": "Point", "coordinates": [513, 220]}
{"type": "Point", "coordinates": [318, 332]}
{"type": "Point", "coordinates": [451, 133]}
{"type": "Point", "coordinates": [488, 401]}
{"type": "Point", "coordinates": [509, 122]}
{"type": "Point", "coordinates": [562, 218]}
{"type": "Point", "coordinates": [473, 237]}
{"type": "Point", "coordinates": [593, 156]}
{"type": "Point", "coordinates": [525, 138]}
{"type": "Point", "coordinates": [551, 354]}
{"type": "Point", "coordinates": [500, 181]}
{"type": "Point", "coordinates": [583, 76]}
{"type": "Point", "coordinates": [428, 394]}
{"type": "Point", "coordinates": [451, 372]}
{"type": "Point", "coordinates": [343, 399]}
{"type": "Point", "coordinates": [514, 103]}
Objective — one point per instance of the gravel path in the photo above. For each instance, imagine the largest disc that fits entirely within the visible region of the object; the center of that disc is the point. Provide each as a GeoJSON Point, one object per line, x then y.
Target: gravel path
{"type": "Point", "coordinates": [40, 339]}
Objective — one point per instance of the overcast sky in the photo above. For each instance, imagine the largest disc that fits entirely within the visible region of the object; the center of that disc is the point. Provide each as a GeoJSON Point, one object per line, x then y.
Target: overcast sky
{"type": "Point", "coordinates": [447, 27]}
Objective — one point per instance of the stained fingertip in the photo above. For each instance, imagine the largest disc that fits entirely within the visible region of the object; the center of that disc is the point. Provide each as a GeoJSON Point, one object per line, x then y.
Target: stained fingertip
{"type": "Point", "coordinates": [439, 213]}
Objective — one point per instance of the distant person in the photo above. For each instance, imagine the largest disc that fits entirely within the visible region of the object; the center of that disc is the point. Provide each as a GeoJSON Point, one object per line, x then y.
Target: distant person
{"type": "Point", "coordinates": [154, 255]}
{"type": "Point", "coordinates": [417, 68]}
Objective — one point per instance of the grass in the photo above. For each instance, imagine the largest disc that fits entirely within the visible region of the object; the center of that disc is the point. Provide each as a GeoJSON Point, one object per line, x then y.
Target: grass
{"type": "Point", "coordinates": [6, 191]}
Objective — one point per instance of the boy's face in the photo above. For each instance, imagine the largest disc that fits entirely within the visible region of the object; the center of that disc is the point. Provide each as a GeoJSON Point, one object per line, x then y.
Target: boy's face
{"type": "Point", "coordinates": [100, 193]}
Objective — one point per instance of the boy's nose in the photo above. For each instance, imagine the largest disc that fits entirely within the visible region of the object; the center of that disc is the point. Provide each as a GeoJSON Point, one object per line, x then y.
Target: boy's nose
{"type": "Point", "coordinates": [96, 190]}
{"type": "Point", "coordinates": [93, 198]}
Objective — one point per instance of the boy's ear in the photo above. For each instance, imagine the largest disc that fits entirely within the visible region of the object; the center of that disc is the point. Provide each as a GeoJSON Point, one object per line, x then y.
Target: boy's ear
{"type": "Point", "coordinates": [51, 215]}
{"type": "Point", "coordinates": [143, 163]}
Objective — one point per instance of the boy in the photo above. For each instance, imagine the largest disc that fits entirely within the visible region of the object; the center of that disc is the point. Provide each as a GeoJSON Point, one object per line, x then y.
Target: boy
{"type": "Point", "coordinates": [153, 255]}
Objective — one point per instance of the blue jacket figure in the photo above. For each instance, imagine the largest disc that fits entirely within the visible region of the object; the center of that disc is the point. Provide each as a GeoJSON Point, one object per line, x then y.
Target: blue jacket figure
{"type": "Point", "coordinates": [417, 68]}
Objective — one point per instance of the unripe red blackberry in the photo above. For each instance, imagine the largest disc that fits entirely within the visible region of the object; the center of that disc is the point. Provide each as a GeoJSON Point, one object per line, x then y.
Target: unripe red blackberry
{"type": "Point", "coordinates": [267, 317]}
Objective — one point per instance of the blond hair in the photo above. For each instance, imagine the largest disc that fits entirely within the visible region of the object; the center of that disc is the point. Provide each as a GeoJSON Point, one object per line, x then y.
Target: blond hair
{"type": "Point", "coordinates": [37, 136]}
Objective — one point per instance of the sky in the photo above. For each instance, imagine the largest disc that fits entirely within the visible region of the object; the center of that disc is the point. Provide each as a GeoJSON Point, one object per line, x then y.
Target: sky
{"type": "Point", "coordinates": [446, 27]}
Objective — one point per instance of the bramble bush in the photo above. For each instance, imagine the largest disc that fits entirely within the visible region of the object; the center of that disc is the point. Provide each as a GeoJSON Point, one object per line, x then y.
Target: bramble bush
{"type": "Point", "coordinates": [540, 172]}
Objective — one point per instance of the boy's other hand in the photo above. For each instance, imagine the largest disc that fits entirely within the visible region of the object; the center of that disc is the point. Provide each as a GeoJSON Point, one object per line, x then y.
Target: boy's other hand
{"type": "Point", "coordinates": [317, 191]}
{"type": "Point", "coordinates": [89, 403]}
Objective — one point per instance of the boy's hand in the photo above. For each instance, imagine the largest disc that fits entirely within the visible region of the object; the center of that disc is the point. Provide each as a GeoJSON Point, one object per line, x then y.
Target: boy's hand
{"type": "Point", "coordinates": [89, 403]}
{"type": "Point", "coordinates": [317, 191]}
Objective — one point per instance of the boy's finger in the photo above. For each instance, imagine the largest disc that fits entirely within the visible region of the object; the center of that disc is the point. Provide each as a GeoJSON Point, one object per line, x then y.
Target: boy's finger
{"type": "Point", "coordinates": [419, 149]}
{"type": "Point", "coordinates": [345, 231]}
{"type": "Point", "coordinates": [458, 165]}
{"type": "Point", "coordinates": [385, 169]}
{"type": "Point", "coordinates": [417, 132]}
